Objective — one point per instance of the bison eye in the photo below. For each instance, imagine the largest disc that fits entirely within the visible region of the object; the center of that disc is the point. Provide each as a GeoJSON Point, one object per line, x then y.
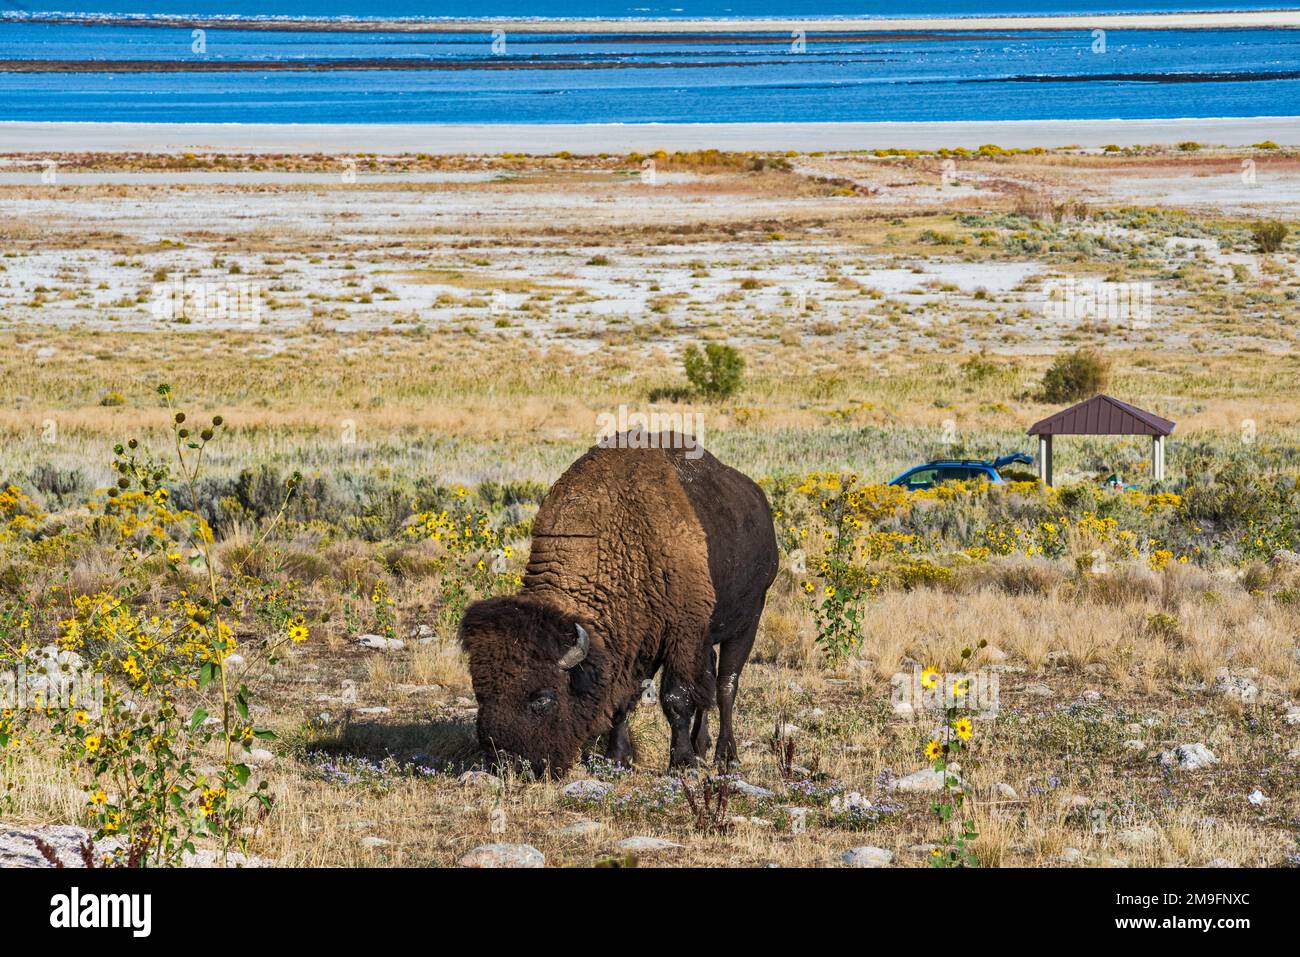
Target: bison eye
{"type": "Point", "coordinates": [541, 701]}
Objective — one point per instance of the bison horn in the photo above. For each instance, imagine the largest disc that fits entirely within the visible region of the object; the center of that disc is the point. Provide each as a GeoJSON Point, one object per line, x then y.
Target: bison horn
{"type": "Point", "coordinates": [578, 652]}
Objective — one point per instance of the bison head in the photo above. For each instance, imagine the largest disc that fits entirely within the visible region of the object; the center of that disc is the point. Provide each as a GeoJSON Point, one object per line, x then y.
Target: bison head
{"type": "Point", "coordinates": [537, 677]}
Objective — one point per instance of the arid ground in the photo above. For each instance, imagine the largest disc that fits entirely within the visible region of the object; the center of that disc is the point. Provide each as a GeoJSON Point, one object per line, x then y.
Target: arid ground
{"type": "Point", "coordinates": [420, 335]}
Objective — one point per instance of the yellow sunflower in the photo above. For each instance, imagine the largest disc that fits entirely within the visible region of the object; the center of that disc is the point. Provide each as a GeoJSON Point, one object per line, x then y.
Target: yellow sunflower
{"type": "Point", "coordinates": [963, 727]}
{"type": "Point", "coordinates": [933, 750]}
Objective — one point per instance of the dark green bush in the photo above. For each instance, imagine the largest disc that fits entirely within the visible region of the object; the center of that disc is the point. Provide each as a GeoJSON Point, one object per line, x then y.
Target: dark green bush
{"type": "Point", "coordinates": [715, 372]}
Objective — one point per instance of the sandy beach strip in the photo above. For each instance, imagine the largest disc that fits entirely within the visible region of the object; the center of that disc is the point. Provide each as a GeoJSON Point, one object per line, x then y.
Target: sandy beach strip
{"type": "Point", "coordinates": [35, 137]}
{"type": "Point", "coordinates": [1262, 19]}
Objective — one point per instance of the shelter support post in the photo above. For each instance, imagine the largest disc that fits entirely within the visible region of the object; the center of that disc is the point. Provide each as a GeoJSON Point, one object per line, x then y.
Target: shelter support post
{"type": "Point", "coordinates": [1045, 459]}
{"type": "Point", "coordinates": [1157, 458]}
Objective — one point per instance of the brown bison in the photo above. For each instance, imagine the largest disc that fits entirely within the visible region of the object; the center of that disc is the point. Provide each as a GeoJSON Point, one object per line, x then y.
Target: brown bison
{"type": "Point", "coordinates": [643, 558]}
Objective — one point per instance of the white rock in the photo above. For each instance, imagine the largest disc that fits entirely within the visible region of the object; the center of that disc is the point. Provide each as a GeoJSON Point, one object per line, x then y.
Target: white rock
{"type": "Point", "coordinates": [1256, 797]}
{"type": "Point", "coordinates": [1235, 686]}
{"type": "Point", "coordinates": [903, 709]}
{"type": "Point", "coordinates": [261, 756]}
{"type": "Point", "coordinates": [926, 779]}
{"type": "Point", "coordinates": [376, 710]}
{"type": "Point", "coordinates": [1091, 695]}
{"type": "Point", "coordinates": [18, 845]}
{"type": "Point", "coordinates": [1039, 691]}
{"type": "Point", "coordinates": [380, 643]}
{"type": "Point", "coordinates": [580, 828]}
{"type": "Point", "coordinates": [206, 857]}
{"type": "Point", "coordinates": [847, 803]}
{"type": "Point", "coordinates": [370, 841]}
{"type": "Point", "coordinates": [867, 857]}
{"type": "Point", "coordinates": [1005, 790]}
{"type": "Point", "coordinates": [504, 855]}
{"type": "Point", "coordinates": [587, 790]}
{"type": "Point", "coordinates": [1133, 744]}
{"type": "Point", "coordinates": [752, 790]}
{"type": "Point", "coordinates": [1071, 855]}
{"type": "Point", "coordinates": [479, 779]}
{"type": "Point", "coordinates": [1189, 757]}
{"type": "Point", "coordinates": [1292, 715]}
{"type": "Point", "coordinates": [640, 844]}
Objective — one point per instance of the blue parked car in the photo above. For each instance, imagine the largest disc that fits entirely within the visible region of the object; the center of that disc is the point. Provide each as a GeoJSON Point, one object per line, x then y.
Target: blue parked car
{"type": "Point", "coordinates": [958, 470]}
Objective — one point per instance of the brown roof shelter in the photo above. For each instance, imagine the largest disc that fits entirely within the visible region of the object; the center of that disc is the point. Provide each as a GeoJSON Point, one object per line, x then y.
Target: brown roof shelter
{"type": "Point", "coordinates": [1102, 415]}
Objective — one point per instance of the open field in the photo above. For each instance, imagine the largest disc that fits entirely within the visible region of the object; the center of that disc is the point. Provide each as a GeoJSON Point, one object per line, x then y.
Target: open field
{"type": "Point", "coordinates": [425, 334]}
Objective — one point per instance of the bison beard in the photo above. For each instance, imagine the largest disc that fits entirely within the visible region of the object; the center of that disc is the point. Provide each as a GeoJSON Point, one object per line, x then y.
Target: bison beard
{"type": "Point", "coordinates": [642, 560]}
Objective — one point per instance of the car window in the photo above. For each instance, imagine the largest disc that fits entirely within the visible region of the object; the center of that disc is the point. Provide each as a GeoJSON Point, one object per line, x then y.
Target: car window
{"type": "Point", "coordinates": [922, 477]}
{"type": "Point", "coordinates": [956, 473]}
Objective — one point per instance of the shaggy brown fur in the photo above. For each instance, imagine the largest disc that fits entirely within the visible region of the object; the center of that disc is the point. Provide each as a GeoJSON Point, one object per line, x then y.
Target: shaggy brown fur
{"type": "Point", "coordinates": [658, 557]}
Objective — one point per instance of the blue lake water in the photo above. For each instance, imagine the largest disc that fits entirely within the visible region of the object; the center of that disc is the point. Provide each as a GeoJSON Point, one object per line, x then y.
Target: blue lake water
{"type": "Point", "coordinates": [645, 79]}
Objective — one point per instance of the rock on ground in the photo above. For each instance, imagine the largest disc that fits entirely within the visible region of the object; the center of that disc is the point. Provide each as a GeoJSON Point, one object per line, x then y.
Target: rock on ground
{"type": "Point", "coordinates": [867, 857]}
{"type": "Point", "coordinates": [504, 855]}
{"type": "Point", "coordinates": [1189, 757]}
{"type": "Point", "coordinates": [587, 790]}
{"type": "Point", "coordinates": [380, 643]}
{"type": "Point", "coordinates": [752, 790]}
{"type": "Point", "coordinates": [479, 779]}
{"type": "Point", "coordinates": [1237, 687]}
{"type": "Point", "coordinates": [18, 845]}
{"type": "Point", "coordinates": [18, 849]}
{"type": "Point", "coordinates": [580, 828]}
{"type": "Point", "coordinates": [640, 844]}
{"type": "Point", "coordinates": [926, 779]}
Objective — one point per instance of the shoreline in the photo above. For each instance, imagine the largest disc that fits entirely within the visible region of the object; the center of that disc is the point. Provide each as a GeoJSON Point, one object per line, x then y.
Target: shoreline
{"type": "Point", "coordinates": [18, 137]}
{"type": "Point", "coordinates": [1259, 19]}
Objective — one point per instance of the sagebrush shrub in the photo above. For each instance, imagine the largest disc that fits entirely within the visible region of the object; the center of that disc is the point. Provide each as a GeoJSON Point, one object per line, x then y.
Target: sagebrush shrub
{"type": "Point", "coordinates": [1076, 375]}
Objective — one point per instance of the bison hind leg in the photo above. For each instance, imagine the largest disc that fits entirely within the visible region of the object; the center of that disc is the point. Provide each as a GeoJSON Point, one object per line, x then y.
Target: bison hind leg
{"type": "Point", "coordinates": [705, 695]}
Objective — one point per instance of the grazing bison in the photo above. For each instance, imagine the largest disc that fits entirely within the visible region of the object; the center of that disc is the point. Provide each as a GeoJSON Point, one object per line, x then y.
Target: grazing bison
{"type": "Point", "coordinates": [642, 559]}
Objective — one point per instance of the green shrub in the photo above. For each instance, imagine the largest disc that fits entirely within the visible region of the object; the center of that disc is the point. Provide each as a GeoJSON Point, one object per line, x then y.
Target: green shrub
{"type": "Point", "coordinates": [715, 372]}
{"type": "Point", "coordinates": [1269, 236]}
{"type": "Point", "coordinates": [1076, 375]}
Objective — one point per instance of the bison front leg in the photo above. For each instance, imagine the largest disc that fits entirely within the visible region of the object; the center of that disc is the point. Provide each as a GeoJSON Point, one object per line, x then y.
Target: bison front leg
{"type": "Point", "coordinates": [618, 743]}
{"type": "Point", "coordinates": [679, 707]}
